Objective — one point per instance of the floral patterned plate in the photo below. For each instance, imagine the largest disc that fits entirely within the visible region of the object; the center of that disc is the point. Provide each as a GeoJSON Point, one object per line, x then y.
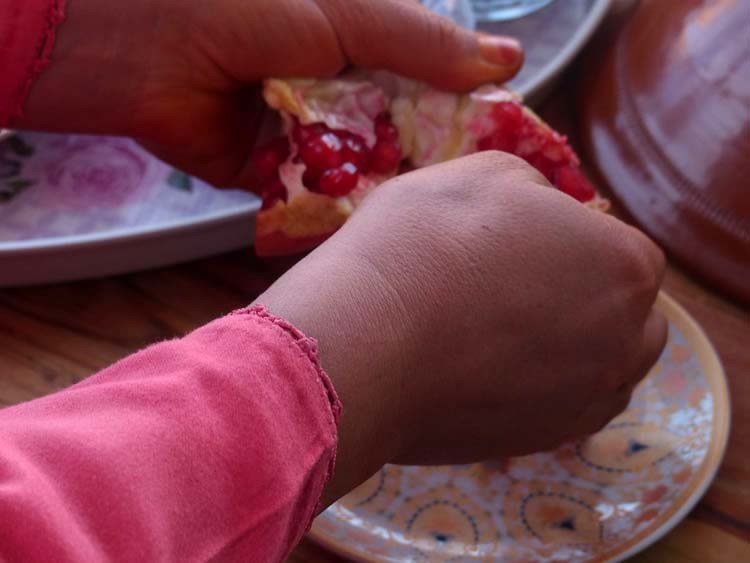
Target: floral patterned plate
{"type": "Point", "coordinates": [601, 499]}
{"type": "Point", "coordinates": [75, 206]}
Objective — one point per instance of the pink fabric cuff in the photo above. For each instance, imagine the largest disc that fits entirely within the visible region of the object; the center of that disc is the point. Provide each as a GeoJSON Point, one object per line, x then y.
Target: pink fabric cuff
{"type": "Point", "coordinates": [212, 447]}
{"type": "Point", "coordinates": [27, 35]}
{"type": "Point", "coordinates": [309, 347]}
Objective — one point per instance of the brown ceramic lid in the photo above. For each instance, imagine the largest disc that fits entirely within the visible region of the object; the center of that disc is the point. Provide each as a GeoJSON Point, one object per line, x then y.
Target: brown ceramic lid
{"type": "Point", "coordinates": [666, 119]}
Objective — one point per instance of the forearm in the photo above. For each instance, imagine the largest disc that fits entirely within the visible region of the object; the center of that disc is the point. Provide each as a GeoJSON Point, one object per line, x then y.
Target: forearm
{"type": "Point", "coordinates": [364, 364]}
{"type": "Point", "coordinates": [217, 444]}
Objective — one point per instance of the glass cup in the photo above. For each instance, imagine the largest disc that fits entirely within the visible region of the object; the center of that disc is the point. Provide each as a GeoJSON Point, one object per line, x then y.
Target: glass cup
{"type": "Point", "coordinates": [501, 10]}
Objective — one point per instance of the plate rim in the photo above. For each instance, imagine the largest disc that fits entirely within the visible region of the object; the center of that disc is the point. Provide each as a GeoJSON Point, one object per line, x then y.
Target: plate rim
{"type": "Point", "coordinates": [710, 360]}
{"type": "Point", "coordinates": [129, 234]}
{"type": "Point", "coordinates": [569, 51]}
{"type": "Point", "coordinates": [721, 423]}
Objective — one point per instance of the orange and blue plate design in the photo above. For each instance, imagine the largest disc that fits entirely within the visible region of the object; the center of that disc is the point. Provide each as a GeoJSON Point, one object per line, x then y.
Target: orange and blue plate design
{"type": "Point", "coordinates": [601, 499]}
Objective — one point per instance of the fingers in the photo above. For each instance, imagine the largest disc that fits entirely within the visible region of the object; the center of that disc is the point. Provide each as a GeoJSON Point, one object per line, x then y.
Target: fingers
{"type": "Point", "coordinates": [405, 37]}
{"type": "Point", "coordinates": [655, 333]}
{"type": "Point", "coordinates": [600, 413]}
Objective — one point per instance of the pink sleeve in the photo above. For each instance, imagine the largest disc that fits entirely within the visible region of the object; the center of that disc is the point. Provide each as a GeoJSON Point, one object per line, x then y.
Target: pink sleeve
{"type": "Point", "coordinates": [213, 446]}
{"type": "Point", "coordinates": [27, 33]}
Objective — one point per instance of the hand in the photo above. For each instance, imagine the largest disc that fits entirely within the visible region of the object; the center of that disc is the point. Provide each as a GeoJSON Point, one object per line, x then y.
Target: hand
{"type": "Point", "coordinates": [467, 311]}
{"type": "Point", "coordinates": [181, 75]}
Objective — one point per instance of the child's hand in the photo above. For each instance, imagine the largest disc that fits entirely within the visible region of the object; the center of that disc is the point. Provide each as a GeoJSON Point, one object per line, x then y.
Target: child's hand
{"type": "Point", "coordinates": [182, 75]}
{"type": "Point", "coordinates": [468, 311]}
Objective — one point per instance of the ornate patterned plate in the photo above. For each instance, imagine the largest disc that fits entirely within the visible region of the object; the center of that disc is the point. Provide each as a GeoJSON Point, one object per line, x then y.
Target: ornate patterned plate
{"type": "Point", "coordinates": [74, 206]}
{"type": "Point", "coordinates": [601, 499]}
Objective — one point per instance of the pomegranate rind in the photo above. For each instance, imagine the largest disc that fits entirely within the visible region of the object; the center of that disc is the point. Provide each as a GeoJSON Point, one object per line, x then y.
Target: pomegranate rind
{"type": "Point", "coordinates": [277, 243]}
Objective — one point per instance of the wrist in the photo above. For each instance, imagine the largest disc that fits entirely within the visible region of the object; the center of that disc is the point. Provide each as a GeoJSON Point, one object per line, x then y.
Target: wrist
{"type": "Point", "coordinates": [353, 342]}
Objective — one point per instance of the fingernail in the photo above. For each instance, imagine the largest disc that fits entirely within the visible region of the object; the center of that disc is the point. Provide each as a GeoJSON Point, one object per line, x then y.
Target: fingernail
{"type": "Point", "coordinates": [503, 51]}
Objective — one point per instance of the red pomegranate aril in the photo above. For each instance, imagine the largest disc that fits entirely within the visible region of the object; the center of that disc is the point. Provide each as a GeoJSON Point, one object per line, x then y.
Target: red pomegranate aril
{"type": "Point", "coordinates": [498, 141]}
{"type": "Point", "coordinates": [322, 152]}
{"type": "Point", "coordinates": [302, 133]}
{"type": "Point", "coordinates": [508, 115]}
{"type": "Point", "coordinates": [265, 164]}
{"type": "Point", "coordinates": [267, 159]}
{"type": "Point", "coordinates": [311, 179]}
{"type": "Point", "coordinates": [281, 146]}
{"type": "Point", "coordinates": [543, 164]}
{"type": "Point", "coordinates": [355, 151]}
{"type": "Point", "coordinates": [385, 130]}
{"type": "Point", "coordinates": [272, 193]}
{"type": "Point", "coordinates": [339, 181]}
{"type": "Point", "coordinates": [573, 182]}
{"type": "Point", "coordinates": [385, 157]}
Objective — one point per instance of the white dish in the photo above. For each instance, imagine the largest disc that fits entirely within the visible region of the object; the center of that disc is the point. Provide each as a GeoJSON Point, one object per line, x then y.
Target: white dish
{"type": "Point", "coordinates": [551, 37]}
{"type": "Point", "coordinates": [78, 207]}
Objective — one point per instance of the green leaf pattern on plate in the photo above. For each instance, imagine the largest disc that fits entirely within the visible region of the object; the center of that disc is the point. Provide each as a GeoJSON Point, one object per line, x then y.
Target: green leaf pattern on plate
{"type": "Point", "coordinates": [12, 154]}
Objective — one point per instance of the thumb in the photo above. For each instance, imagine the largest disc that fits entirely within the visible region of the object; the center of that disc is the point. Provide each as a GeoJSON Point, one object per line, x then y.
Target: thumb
{"type": "Point", "coordinates": [407, 38]}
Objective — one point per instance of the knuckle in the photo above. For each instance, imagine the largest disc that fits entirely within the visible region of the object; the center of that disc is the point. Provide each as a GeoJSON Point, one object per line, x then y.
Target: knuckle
{"type": "Point", "coordinates": [445, 33]}
{"type": "Point", "coordinates": [491, 162]}
{"type": "Point", "coordinates": [642, 263]}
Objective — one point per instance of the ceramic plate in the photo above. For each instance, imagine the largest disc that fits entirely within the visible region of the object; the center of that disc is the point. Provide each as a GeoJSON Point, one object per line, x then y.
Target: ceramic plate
{"type": "Point", "coordinates": [74, 207]}
{"type": "Point", "coordinates": [551, 38]}
{"type": "Point", "coordinates": [601, 499]}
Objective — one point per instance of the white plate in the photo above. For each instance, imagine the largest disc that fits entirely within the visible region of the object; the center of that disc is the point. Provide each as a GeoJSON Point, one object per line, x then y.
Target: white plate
{"type": "Point", "coordinates": [78, 207]}
{"type": "Point", "coordinates": [82, 207]}
{"type": "Point", "coordinates": [551, 38]}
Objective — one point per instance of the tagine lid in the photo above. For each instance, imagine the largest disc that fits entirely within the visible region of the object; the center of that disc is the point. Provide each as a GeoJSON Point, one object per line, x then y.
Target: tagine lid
{"type": "Point", "coordinates": [666, 120]}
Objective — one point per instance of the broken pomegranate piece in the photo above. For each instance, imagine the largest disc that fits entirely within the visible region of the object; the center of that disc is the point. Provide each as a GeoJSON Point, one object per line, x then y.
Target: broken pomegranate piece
{"type": "Point", "coordinates": [322, 152]}
{"type": "Point", "coordinates": [273, 192]}
{"type": "Point", "coordinates": [266, 160]}
{"type": "Point", "coordinates": [572, 181]}
{"type": "Point", "coordinates": [337, 182]}
{"type": "Point", "coordinates": [334, 159]}
{"type": "Point", "coordinates": [355, 151]}
{"type": "Point", "coordinates": [345, 136]}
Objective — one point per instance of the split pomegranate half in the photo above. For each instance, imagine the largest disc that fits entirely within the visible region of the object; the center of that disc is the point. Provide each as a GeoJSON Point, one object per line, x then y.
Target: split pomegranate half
{"type": "Point", "coordinates": [312, 177]}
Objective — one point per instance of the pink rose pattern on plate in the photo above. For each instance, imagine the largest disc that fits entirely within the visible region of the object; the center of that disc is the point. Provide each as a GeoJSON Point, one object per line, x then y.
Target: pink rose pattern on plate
{"type": "Point", "coordinates": [12, 154]}
{"type": "Point", "coordinates": [62, 185]}
{"type": "Point", "coordinates": [87, 172]}
{"type": "Point", "coordinates": [587, 501]}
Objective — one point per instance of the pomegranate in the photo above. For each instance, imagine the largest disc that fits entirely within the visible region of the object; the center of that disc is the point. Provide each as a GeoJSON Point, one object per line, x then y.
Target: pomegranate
{"type": "Point", "coordinates": [273, 192]}
{"type": "Point", "coordinates": [572, 182]}
{"type": "Point", "coordinates": [385, 130]}
{"type": "Point", "coordinates": [508, 118]}
{"type": "Point", "coordinates": [302, 133]}
{"type": "Point", "coordinates": [334, 159]}
{"type": "Point", "coordinates": [355, 151]}
{"type": "Point", "coordinates": [385, 157]}
{"type": "Point", "coordinates": [334, 162]}
{"type": "Point", "coordinates": [337, 182]}
{"type": "Point", "coordinates": [267, 159]}
{"type": "Point", "coordinates": [322, 151]}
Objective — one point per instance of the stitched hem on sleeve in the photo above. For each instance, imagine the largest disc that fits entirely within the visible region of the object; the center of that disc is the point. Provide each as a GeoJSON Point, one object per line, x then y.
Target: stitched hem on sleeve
{"type": "Point", "coordinates": [53, 17]}
{"type": "Point", "coordinates": [308, 346]}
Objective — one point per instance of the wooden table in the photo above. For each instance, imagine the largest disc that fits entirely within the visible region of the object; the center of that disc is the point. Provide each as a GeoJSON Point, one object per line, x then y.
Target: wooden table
{"type": "Point", "coordinates": [51, 337]}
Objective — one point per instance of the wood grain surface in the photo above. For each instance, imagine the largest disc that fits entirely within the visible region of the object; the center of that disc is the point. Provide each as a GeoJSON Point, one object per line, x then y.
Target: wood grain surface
{"type": "Point", "coordinates": [51, 337]}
